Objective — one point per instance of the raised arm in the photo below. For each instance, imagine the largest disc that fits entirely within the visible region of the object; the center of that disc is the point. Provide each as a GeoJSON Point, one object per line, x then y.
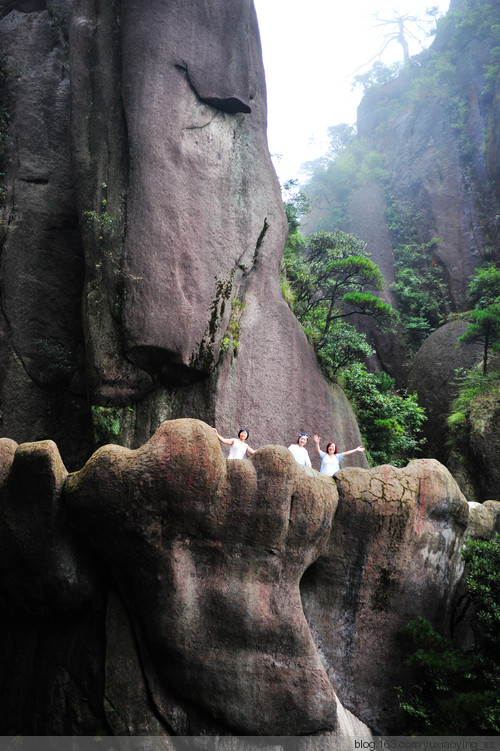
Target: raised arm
{"type": "Point", "coordinates": [317, 440]}
{"type": "Point", "coordinates": [250, 451]}
{"type": "Point", "coordinates": [353, 451]}
{"type": "Point", "coordinates": [227, 441]}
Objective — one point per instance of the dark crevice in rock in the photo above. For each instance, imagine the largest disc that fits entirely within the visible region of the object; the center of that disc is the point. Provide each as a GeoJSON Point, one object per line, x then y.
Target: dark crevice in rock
{"type": "Point", "coordinates": [161, 364]}
{"type": "Point", "coordinates": [260, 239]}
{"type": "Point", "coordinates": [230, 104]}
{"type": "Point", "coordinates": [23, 6]}
{"type": "Point", "coordinates": [35, 180]}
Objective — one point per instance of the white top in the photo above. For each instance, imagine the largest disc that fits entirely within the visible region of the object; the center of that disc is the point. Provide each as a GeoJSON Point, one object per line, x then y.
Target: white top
{"type": "Point", "coordinates": [330, 464]}
{"type": "Point", "coordinates": [238, 449]}
{"type": "Point", "coordinates": [300, 454]}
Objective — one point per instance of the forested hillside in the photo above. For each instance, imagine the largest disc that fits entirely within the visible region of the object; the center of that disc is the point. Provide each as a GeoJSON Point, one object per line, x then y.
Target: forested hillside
{"type": "Point", "coordinates": [417, 180]}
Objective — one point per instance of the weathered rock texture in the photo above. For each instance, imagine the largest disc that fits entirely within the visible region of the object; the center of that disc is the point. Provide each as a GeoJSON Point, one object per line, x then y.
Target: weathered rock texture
{"type": "Point", "coordinates": [435, 375]}
{"type": "Point", "coordinates": [138, 181]}
{"type": "Point", "coordinates": [474, 456]}
{"type": "Point", "coordinates": [205, 630]}
{"type": "Point", "coordinates": [393, 555]}
{"type": "Point", "coordinates": [207, 555]}
{"type": "Point", "coordinates": [169, 591]}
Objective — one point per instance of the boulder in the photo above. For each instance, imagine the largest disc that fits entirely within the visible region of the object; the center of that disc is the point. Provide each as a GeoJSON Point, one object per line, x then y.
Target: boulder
{"type": "Point", "coordinates": [207, 554]}
{"type": "Point", "coordinates": [51, 603]}
{"type": "Point", "coordinates": [484, 520]}
{"type": "Point", "coordinates": [393, 555]}
{"type": "Point", "coordinates": [168, 591]}
{"type": "Point", "coordinates": [434, 375]}
{"type": "Point", "coordinates": [474, 454]}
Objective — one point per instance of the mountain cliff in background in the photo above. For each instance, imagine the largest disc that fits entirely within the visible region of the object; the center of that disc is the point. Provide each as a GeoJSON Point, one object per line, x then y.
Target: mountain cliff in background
{"type": "Point", "coordinates": [425, 163]}
{"type": "Point", "coordinates": [419, 182]}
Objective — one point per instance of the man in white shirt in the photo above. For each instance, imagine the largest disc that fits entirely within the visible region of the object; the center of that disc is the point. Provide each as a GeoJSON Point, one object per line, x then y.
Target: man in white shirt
{"type": "Point", "coordinates": [299, 450]}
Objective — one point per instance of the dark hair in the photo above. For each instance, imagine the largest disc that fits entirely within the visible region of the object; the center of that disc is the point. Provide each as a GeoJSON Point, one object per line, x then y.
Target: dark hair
{"type": "Point", "coordinates": [300, 436]}
{"type": "Point", "coordinates": [332, 443]}
{"type": "Point", "coordinates": [243, 430]}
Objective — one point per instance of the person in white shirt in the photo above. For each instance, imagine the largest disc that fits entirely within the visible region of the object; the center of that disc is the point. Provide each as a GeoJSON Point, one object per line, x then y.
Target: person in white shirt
{"type": "Point", "coordinates": [239, 446]}
{"type": "Point", "coordinates": [330, 460]}
{"type": "Point", "coordinates": [299, 450]}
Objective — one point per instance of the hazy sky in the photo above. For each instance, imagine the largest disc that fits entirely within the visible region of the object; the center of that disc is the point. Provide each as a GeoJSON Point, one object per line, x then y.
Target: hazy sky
{"type": "Point", "coordinates": [312, 49]}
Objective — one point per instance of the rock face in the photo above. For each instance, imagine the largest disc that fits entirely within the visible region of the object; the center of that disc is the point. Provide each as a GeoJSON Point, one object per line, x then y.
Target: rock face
{"type": "Point", "coordinates": [475, 456]}
{"type": "Point", "coordinates": [435, 139]}
{"type": "Point", "coordinates": [203, 558]}
{"type": "Point", "coordinates": [211, 576]}
{"type": "Point", "coordinates": [433, 375]}
{"type": "Point", "coordinates": [393, 555]}
{"type": "Point", "coordinates": [139, 188]}
{"type": "Point", "coordinates": [168, 591]}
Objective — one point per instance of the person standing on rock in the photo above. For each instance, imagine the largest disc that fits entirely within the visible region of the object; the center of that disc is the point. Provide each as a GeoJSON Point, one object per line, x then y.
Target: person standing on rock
{"type": "Point", "coordinates": [330, 460]}
{"type": "Point", "coordinates": [299, 450]}
{"type": "Point", "coordinates": [239, 446]}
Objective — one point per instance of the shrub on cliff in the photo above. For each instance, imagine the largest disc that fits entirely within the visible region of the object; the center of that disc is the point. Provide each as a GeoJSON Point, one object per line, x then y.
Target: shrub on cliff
{"type": "Point", "coordinates": [484, 326]}
{"type": "Point", "coordinates": [390, 422]}
{"type": "Point", "coordinates": [454, 690]}
{"type": "Point", "coordinates": [330, 278]}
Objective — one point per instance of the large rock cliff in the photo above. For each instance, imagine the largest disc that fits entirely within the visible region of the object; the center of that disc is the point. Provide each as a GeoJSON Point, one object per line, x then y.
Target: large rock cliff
{"type": "Point", "coordinates": [142, 230]}
{"type": "Point", "coordinates": [168, 591]}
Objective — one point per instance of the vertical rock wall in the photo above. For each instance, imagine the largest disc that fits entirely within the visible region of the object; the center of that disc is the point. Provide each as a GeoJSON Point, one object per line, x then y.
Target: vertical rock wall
{"type": "Point", "coordinates": [143, 230]}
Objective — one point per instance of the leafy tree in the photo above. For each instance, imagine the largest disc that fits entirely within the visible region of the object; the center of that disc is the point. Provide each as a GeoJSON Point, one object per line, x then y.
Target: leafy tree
{"type": "Point", "coordinates": [453, 690]}
{"type": "Point", "coordinates": [378, 75]}
{"type": "Point", "coordinates": [484, 287]}
{"type": "Point", "coordinates": [296, 204]}
{"type": "Point", "coordinates": [484, 326]}
{"type": "Point", "coordinates": [330, 282]}
{"type": "Point", "coordinates": [344, 346]}
{"type": "Point", "coordinates": [390, 422]}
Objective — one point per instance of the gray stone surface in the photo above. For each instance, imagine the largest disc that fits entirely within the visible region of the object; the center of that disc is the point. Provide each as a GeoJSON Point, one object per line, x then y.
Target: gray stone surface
{"type": "Point", "coordinates": [141, 202]}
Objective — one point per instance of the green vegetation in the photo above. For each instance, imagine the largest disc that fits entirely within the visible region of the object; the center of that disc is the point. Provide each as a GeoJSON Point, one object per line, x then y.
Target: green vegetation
{"type": "Point", "coordinates": [231, 339]}
{"type": "Point", "coordinates": [352, 161]}
{"type": "Point", "coordinates": [100, 222]}
{"type": "Point", "coordinates": [453, 690]}
{"type": "Point", "coordinates": [477, 399]}
{"type": "Point", "coordinates": [110, 423]}
{"type": "Point", "coordinates": [484, 326]}
{"type": "Point", "coordinates": [390, 422]}
{"type": "Point", "coordinates": [324, 280]}
{"type": "Point", "coordinates": [328, 275]}
{"type": "Point", "coordinates": [378, 75]}
{"type": "Point", "coordinates": [476, 406]}
{"type": "Point", "coordinates": [421, 292]}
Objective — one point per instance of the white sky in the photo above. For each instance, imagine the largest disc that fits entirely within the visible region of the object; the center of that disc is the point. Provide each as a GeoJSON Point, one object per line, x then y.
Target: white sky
{"type": "Point", "coordinates": [311, 51]}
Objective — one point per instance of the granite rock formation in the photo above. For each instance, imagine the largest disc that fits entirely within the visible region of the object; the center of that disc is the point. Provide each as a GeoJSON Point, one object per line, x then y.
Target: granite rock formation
{"type": "Point", "coordinates": [139, 189]}
{"type": "Point", "coordinates": [393, 555]}
{"type": "Point", "coordinates": [199, 559]}
{"type": "Point", "coordinates": [168, 591]}
{"type": "Point", "coordinates": [434, 375]}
